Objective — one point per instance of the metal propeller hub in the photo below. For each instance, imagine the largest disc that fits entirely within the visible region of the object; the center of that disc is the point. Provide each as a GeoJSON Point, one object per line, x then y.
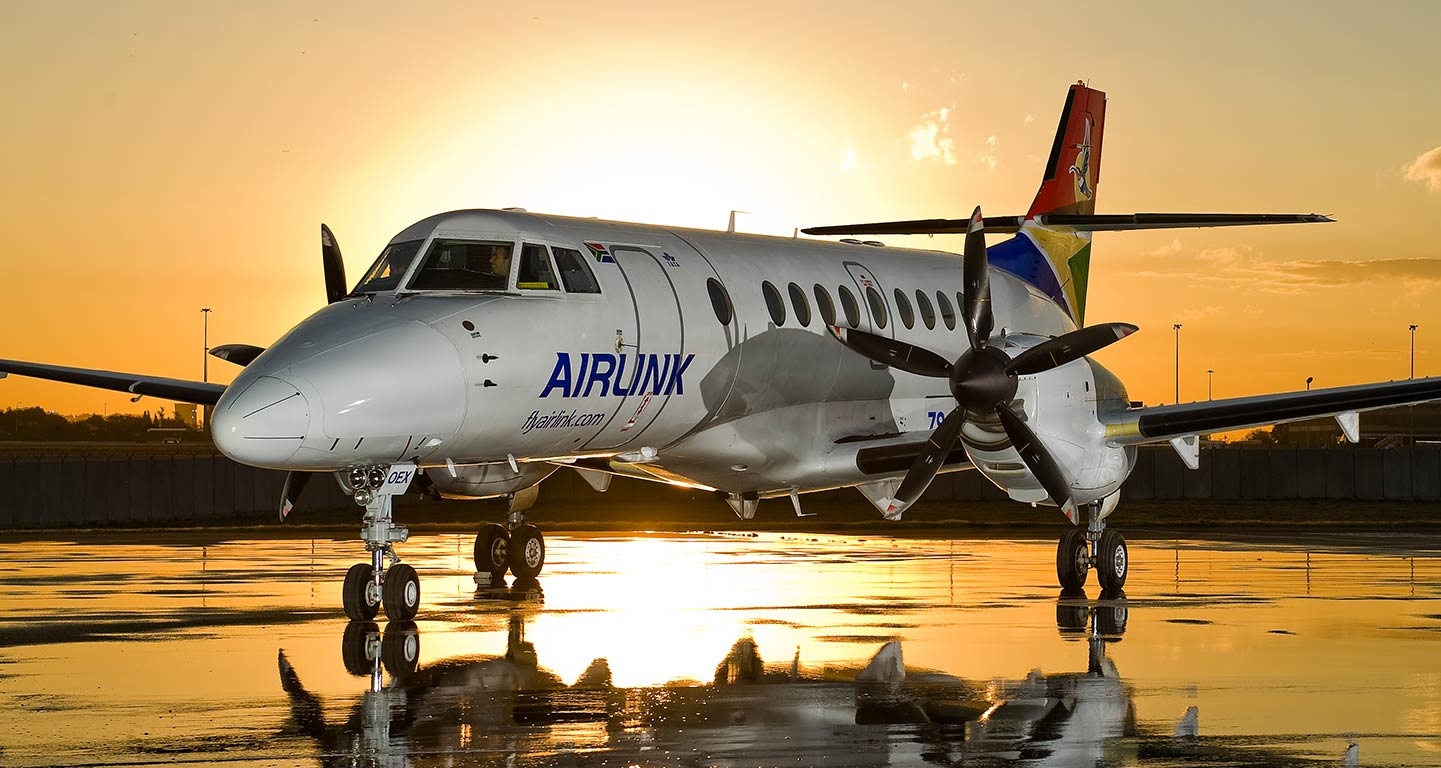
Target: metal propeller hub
{"type": "Point", "coordinates": [980, 381]}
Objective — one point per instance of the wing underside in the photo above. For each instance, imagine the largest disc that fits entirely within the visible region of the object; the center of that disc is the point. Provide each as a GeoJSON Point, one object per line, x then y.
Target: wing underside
{"type": "Point", "coordinates": [1161, 423]}
{"type": "Point", "coordinates": [180, 390]}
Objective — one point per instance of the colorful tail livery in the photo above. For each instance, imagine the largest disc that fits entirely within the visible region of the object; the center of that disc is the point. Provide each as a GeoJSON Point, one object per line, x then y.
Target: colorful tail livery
{"type": "Point", "coordinates": [1052, 246]}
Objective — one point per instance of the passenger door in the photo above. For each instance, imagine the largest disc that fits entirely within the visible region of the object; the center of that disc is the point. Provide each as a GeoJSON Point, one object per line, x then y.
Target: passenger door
{"type": "Point", "coordinates": [650, 357]}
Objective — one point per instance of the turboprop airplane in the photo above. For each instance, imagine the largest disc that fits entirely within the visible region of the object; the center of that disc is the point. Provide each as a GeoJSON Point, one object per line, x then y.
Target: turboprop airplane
{"type": "Point", "coordinates": [484, 350]}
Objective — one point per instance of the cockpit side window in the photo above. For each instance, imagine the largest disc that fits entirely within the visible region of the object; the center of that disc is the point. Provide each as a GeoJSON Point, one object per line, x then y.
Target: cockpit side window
{"type": "Point", "coordinates": [536, 273]}
{"type": "Point", "coordinates": [460, 265]}
{"type": "Point", "coordinates": [574, 272]}
{"type": "Point", "coordinates": [385, 273]}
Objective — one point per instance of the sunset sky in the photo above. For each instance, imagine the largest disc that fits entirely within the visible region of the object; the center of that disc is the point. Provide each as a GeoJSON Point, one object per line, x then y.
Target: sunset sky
{"type": "Point", "coordinates": [161, 157]}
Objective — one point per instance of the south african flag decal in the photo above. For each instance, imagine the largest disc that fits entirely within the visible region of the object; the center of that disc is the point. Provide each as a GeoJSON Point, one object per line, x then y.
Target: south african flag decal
{"type": "Point", "coordinates": [602, 256]}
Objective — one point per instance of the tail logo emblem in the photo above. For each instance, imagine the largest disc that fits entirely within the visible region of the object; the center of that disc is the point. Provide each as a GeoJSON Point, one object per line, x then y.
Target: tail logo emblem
{"type": "Point", "coordinates": [1082, 168]}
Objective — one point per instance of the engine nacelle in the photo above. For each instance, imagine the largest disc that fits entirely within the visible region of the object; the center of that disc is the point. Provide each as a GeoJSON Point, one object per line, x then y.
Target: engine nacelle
{"type": "Point", "coordinates": [487, 480]}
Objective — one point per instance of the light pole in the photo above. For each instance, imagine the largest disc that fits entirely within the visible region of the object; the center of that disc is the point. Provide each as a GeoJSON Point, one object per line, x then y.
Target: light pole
{"type": "Point", "coordinates": [1309, 379]}
{"type": "Point", "coordinates": [1177, 327]}
{"type": "Point", "coordinates": [1209, 374]}
{"type": "Point", "coordinates": [1413, 328]}
{"type": "Point", "coordinates": [205, 342]}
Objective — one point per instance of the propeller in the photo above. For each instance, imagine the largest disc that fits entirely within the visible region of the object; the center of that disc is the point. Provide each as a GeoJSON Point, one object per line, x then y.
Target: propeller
{"type": "Point", "coordinates": [983, 379]}
{"type": "Point", "coordinates": [335, 290]}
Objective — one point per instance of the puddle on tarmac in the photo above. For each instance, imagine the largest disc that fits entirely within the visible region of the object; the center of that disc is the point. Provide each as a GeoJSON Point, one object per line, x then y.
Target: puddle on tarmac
{"type": "Point", "coordinates": [718, 650]}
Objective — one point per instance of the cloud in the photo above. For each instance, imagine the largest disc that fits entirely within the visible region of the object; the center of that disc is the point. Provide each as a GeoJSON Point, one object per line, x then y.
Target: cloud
{"type": "Point", "coordinates": [987, 153]}
{"type": "Point", "coordinates": [930, 138]}
{"type": "Point", "coordinates": [1029, 119]}
{"type": "Point", "coordinates": [1426, 167]}
{"type": "Point", "coordinates": [1243, 267]}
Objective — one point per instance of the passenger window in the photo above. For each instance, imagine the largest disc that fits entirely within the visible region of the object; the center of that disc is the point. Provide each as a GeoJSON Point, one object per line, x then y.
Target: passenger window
{"type": "Point", "coordinates": [774, 303]}
{"type": "Point", "coordinates": [535, 271]}
{"type": "Point", "coordinates": [824, 305]}
{"type": "Point", "coordinates": [904, 308]}
{"type": "Point", "coordinates": [720, 301]}
{"type": "Point", "coordinates": [799, 303]}
{"type": "Point", "coordinates": [455, 265]}
{"type": "Point", "coordinates": [948, 315]}
{"type": "Point", "coordinates": [960, 303]}
{"type": "Point", "coordinates": [850, 307]}
{"type": "Point", "coordinates": [923, 304]}
{"type": "Point", "coordinates": [574, 272]}
{"type": "Point", "coordinates": [878, 307]}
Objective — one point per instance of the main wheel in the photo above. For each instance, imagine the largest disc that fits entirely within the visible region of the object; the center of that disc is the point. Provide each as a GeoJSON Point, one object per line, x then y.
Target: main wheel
{"type": "Point", "coordinates": [527, 552]}
{"type": "Point", "coordinates": [402, 593]}
{"type": "Point", "coordinates": [492, 551]}
{"type": "Point", "coordinates": [1071, 556]}
{"type": "Point", "coordinates": [1112, 561]}
{"type": "Point", "coordinates": [359, 595]}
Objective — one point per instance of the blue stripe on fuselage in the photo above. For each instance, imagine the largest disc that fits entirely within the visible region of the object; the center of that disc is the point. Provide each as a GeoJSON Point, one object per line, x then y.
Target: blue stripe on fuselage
{"type": "Point", "coordinates": [1020, 256]}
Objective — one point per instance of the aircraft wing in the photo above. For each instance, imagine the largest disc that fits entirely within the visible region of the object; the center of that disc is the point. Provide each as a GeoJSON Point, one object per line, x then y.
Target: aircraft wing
{"type": "Point", "coordinates": [1104, 222]}
{"type": "Point", "coordinates": [1166, 422]}
{"type": "Point", "coordinates": [183, 391]}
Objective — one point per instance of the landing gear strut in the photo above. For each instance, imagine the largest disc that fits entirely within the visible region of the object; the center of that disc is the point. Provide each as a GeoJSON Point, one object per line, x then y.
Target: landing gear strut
{"type": "Point", "coordinates": [1094, 547]}
{"type": "Point", "coordinates": [517, 546]}
{"type": "Point", "coordinates": [368, 586]}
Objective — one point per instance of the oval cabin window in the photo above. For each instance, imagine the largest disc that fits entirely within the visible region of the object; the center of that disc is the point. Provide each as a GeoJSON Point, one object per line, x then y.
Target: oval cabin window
{"type": "Point", "coordinates": [774, 303]}
{"type": "Point", "coordinates": [948, 315]}
{"type": "Point", "coordinates": [799, 304]}
{"type": "Point", "coordinates": [878, 307]}
{"type": "Point", "coordinates": [923, 305]}
{"type": "Point", "coordinates": [850, 307]}
{"type": "Point", "coordinates": [903, 308]}
{"type": "Point", "coordinates": [720, 301]}
{"type": "Point", "coordinates": [824, 305]}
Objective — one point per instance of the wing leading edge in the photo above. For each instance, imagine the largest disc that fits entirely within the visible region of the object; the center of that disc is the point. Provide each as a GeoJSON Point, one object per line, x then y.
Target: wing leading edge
{"type": "Point", "coordinates": [1161, 423]}
{"type": "Point", "coordinates": [181, 390]}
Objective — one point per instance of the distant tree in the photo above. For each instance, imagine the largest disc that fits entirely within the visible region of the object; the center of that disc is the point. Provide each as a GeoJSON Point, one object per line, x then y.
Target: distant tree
{"type": "Point", "coordinates": [1262, 436]}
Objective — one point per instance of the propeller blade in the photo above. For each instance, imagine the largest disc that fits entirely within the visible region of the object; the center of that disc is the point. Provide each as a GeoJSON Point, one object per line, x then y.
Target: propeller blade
{"type": "Point", "coordinates": [335, 289]}
{"type": "Point", "coordinates": [926, 465]}
{"type": "Point", "coordinates": [977, 284]}
{"type": "Point", "coordinates": [294, 484]}
{"type": "Point", "coordinates": [897, 354]}
{"type": "Point", "coordinates": [1063, 349]}
{"type": "Point", "coordinates": [1039, 460]}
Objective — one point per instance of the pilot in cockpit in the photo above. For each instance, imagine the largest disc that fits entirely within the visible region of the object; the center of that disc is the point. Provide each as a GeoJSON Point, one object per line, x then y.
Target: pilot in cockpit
{"type": "Point", "coordinates": [500, 262]}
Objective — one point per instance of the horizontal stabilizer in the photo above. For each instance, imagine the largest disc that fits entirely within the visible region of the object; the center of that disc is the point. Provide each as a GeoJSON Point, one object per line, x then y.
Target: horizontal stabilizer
{"type": "Point", "coordinates": [1155, 424]}
{"type": "Point", "coordinates": [1101, 222]}
{"type": "Point", "coordinates": [171, 389]}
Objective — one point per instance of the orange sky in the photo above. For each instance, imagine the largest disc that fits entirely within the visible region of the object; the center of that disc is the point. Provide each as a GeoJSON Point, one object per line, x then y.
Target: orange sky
{"type": "Point", "coordinates": [161, 157]}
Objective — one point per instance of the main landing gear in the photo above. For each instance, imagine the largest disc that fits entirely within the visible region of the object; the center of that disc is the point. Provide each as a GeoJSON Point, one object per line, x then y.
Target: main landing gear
{"type": "Point", "coordinates": [368, 586]}
{"type": "Point", "coordinates": [1092, 547]}
{"type": "Point", "coordinates": [517, 546]}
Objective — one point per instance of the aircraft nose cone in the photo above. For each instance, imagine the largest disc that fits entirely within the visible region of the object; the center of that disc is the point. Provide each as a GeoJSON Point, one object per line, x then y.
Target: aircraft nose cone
{"type": "Point", "coordinates": [263, 424]}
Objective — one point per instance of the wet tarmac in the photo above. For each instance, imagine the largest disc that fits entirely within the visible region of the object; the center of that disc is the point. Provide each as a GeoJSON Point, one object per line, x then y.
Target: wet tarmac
{"type": "Point", "coordinates": [724, 649]}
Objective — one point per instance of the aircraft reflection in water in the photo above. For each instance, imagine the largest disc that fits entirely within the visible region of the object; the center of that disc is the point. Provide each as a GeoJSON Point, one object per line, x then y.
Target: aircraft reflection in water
{"type": "Point", "coordinates": [510, 707]}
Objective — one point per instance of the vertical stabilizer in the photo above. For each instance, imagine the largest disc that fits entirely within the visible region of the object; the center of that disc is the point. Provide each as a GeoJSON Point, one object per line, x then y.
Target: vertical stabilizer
{"type": "Point", "coordinates": [1057, 259]}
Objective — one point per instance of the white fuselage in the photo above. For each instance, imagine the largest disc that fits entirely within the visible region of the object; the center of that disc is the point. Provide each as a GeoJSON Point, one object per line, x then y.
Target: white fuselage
{"type": "Point", "coordinates": [646, 367]}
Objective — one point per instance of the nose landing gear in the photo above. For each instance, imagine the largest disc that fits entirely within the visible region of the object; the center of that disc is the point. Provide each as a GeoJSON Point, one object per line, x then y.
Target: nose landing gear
{"type": "Point", "coordinates": [1094, 547]}
{"type": "Point", "coordinates": [369, 586]}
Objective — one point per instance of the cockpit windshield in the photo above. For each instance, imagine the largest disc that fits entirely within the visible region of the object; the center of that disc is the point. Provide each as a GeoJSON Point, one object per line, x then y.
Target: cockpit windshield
{"type": "Point", "coordinates": [385, 274]}
{"type": "Point", "coordinates": [457, 265]}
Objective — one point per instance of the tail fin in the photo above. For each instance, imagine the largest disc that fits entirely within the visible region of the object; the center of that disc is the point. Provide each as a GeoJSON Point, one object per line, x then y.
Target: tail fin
{"type": "Point", "coordinates": [1074, 168]}
{"type": "Point", "coordinates": [1057, 259]}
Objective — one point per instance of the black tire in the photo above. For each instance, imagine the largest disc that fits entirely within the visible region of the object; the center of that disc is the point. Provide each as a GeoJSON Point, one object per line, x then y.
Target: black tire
{"type": "Point", "coordinates": [492, 548]}
{"type": "Point", "coordinates": [1112, 562]}
{"type": "Point", "coordinates": [355, 647]}
{"type": "Point", "coordinates": [356, 594]}
{"type": "Point", "coordinates": [402, 593]}
{"type": "Point", "coordinates": [400, 649]}
{"type": "Point", "coordinates": [1071, 559]}
{"type": "Point", "coordinates": [527, 552]}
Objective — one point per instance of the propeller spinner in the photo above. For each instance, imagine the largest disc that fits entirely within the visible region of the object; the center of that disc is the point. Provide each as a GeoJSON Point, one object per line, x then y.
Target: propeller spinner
{"type": "Point", "coordinates": [983, 379]}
